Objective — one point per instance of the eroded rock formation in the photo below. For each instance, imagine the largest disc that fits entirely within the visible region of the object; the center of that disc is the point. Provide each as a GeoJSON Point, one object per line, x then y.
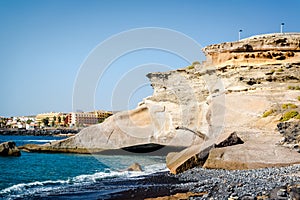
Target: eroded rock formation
{"type": "Point", "coordinates": [199, 104]}
{"type": "Point", "coordinates": [267, 48]}
{"type": "Point", "coordinates": [9, 149]}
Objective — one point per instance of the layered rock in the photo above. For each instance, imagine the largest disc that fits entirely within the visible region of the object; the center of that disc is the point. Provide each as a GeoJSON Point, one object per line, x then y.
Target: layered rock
{"type": "Point", "coordinates": [175, 115]}
{"type": "Point", "coordinates": [197, 154]}
{"type": "Point", "coordinates": [198, 104]}
{"type": "Point", "coordinates": [9, 149]}
{"type": "Point", "coordinates": [258, 49]}
{"type": "Point", "coordinates": [257, 152]}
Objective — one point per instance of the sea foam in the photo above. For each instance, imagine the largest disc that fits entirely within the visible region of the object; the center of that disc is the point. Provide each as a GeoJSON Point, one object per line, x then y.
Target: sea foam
{"type": "Point", "coordinates": [43, 187]}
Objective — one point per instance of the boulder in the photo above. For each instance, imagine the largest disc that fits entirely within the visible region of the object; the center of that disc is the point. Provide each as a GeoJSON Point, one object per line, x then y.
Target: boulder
{"type": "Point", "coordinates": [257, 152]}
{"type": "Point", "coordinates": [135, 167]}
{"type": "Point", "coordinates": [196, 155]}
{"type": "Point", "coordinates": [9, 149]}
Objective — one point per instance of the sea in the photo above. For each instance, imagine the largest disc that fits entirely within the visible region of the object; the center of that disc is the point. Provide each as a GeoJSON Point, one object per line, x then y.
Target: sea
{"type": "Point", "coordinates": [75, 176]}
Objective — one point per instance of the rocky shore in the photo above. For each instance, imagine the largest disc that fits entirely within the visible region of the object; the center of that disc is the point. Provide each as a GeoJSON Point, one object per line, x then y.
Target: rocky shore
{"type": "Point", "coordinates": [197, 183]}
{"type": "Point", "coordinates": [267, 183]}
{"type": "Point", "coordinates": [39, 132]}
{"type": "Point", "coordinates": [246, 87]}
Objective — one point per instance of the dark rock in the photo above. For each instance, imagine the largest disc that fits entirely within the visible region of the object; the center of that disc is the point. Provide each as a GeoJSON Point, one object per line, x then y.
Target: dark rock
{"type": "Point", "coordinates": [196, 155]}
{"type": "Point", "coordinates": [290, 131]}
{"type": "Point", "coordinates": [9, 149]}
{"type": "Point", "coordinates": [281, 58]}
{"type": "Point", "coordinates": [232, 139]}
{"type": "Point", "coordinates": [244, 48]}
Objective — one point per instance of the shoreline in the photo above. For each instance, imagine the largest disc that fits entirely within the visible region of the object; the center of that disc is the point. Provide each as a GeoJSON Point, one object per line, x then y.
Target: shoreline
{"type": "Point", "coordinates": [59, 132]}
{"type": "Point", "coordinates": [198, 183]}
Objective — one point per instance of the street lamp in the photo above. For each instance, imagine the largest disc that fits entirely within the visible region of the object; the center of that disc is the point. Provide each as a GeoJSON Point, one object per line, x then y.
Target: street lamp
{"type": "Point", "coordinates": [240, 34]}
{"type": "Point", "coordinates": [281, 27]}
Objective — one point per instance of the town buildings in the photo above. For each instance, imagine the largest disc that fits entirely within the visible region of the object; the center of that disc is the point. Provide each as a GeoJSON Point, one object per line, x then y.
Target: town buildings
{"type": "Point", "coordinates": [87, 118]}
{"type": "Point", "coordinates": [51, 119]}
{"type": "Point", "coordinates": [55, 119]}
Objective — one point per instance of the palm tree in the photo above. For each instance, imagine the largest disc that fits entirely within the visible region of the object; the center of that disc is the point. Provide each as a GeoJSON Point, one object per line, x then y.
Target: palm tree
{"type": "Point", "coordinates": [59, 120]}
{"type": "Point", "coordinates": [64, 120]}
{"type": "Point", "coordinates": [46, 121]}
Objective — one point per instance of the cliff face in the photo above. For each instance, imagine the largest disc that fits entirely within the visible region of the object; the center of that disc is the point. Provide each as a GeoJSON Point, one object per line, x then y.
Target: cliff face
{"type": "Point", "coordinates": [200, 103]}
{"type": "Point", "coordinates": [269, 48]}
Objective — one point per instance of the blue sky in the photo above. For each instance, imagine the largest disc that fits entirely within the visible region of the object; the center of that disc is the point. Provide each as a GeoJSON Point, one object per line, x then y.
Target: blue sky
{"type": "Point", "coordinates": [43, 43]}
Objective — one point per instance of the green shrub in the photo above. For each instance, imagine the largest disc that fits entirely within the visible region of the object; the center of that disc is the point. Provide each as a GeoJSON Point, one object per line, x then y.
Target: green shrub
{"type": "Point", "coordinates": [196, 63]}
{"type": "Point", "coordinates": [294, 87]}
{"type": "Point", "coordinates": [280, 70]}
{"type": "Point", "coordinates": [191, 67]}
{"type": "Point", "coordinates": [289, 115]}
{"type": "Point", "coordinates": [268, 112]}
{"type": "Point", "coordinates": [298, 116]}
{"type": "Point", "coordinates": [284, 106]}
{"type": "Point", "coordinates": [288, 105]}
{"type": "Point", "coordinates": [298, 98]}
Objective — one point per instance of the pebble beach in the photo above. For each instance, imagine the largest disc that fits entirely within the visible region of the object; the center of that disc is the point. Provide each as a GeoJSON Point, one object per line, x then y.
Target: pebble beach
{"type": "Point", "coordinates": [268, 183]}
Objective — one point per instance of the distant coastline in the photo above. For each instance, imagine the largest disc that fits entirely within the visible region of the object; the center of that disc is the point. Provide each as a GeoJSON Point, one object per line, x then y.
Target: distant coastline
{"type": "Point", "coordinates": [40, 132]}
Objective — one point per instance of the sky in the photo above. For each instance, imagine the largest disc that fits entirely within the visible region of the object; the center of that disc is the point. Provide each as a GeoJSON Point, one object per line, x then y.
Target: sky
{"type": "Point", "coordinates": [43, 44]}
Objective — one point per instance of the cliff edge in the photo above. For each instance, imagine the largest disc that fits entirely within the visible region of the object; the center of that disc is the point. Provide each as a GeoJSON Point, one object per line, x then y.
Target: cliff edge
{"type": "Point", "coordinates": [196, 106]}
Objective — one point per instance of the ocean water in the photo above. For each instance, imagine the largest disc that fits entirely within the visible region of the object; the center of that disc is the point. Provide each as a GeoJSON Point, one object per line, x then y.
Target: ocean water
{"type": "Point", "coordinates": [35, 175]}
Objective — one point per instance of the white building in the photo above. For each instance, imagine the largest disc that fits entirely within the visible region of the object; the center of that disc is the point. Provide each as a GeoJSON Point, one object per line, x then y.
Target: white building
{"type": "Point", "coordinates": [83, 118]}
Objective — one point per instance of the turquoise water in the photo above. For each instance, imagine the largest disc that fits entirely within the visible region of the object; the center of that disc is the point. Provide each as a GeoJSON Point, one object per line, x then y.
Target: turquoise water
{"type": "Point", "coordinates": [41, 172]}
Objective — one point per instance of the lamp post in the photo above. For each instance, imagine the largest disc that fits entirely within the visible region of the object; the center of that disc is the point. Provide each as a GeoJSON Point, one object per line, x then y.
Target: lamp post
{"type": "Point", "coordinates": [281, 27]}
{"type": "Point", "coordinates": [240, 34]}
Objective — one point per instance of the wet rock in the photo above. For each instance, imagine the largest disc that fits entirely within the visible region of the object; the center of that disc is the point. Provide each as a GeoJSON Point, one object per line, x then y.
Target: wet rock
{"type": "Point", "coordinates": [135, 167]}
{"type": "Point", "coordinates": [9, 149]}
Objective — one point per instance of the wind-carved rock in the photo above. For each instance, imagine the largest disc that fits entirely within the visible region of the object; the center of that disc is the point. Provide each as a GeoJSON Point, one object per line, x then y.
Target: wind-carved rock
{"type": "Point", "coordinates": [175, 115]}
{"type": "Point", "coordinates": [196, 106]}
{"type": "Point", "coordinates": [9, 149]}
{"type": "Point", "coordinates": [267, 48]}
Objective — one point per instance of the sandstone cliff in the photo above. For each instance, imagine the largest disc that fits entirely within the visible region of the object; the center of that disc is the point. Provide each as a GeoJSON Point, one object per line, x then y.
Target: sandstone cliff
{"type": "Point", "coordinates": [198, 104]}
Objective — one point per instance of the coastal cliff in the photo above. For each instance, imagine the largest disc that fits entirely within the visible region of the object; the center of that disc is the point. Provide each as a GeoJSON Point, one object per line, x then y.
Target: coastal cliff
{"type": "Point", "coordinates": [196, 106]}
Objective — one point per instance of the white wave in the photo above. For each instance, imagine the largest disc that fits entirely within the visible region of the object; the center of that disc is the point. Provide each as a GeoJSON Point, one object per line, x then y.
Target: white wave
{"type": "Point", "coordinates": [39, 140]}
{"type": "Point", "coordinates": [161, 167]}
{"type": "Point", "coordinates": [30, 188]}
{"type": "Point", "coordinates": [92, 178]}
{"type": "Point", "coordinates": [34, 140]}
{"type": "Point", "coordinates": [22, 189]}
